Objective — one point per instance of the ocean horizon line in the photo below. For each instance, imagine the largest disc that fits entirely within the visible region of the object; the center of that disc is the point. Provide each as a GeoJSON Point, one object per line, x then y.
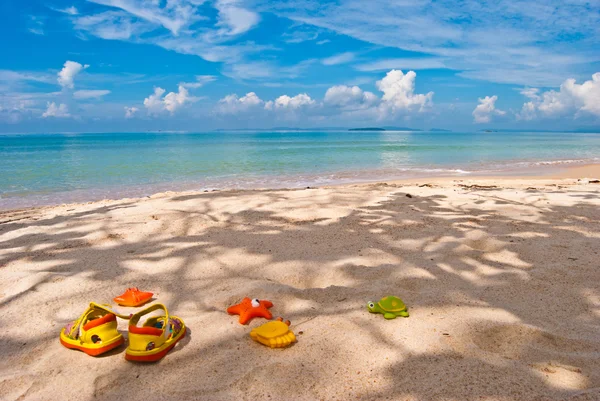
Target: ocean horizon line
{"type": "Point", "coordinates": [292, 129]}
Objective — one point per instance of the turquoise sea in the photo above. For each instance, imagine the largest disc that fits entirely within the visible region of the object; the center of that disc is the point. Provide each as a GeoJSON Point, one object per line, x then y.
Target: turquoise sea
{"type": "Point", "coordinates": [57, 168]}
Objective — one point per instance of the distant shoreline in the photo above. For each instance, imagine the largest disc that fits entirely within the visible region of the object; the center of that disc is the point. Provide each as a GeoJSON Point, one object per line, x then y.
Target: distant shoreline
{"type": "Point", "coordinates": [318, 129]}
{"type": "Point", "coordinates": [90, 167]}
{"type": "Point", "coordinates": [554, 172]}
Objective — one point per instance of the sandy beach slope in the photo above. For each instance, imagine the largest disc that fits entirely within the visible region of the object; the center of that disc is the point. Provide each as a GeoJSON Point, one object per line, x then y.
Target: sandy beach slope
{"type": "Point", "coordinates": [502, 278]}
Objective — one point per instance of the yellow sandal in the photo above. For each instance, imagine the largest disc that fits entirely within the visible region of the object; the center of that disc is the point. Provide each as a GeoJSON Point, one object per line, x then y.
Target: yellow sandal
{"type": "Point", "coordinates": [156, 337]}
{"type": "Point", "coordinates": [95, 332]}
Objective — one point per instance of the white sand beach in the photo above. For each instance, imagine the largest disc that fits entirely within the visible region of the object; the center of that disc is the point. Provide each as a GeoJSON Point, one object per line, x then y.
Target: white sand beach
{"type": "Point", "coordinates": [501, 277]}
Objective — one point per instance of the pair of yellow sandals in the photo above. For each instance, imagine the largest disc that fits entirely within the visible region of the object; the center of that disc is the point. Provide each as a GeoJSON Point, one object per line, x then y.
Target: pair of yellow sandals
{"type": "Point", "coordinates": [95, 332]}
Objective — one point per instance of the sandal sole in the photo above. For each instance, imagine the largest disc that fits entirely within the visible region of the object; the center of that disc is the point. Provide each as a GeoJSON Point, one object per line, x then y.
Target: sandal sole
{"type": "Point", "coordinates": [154, 357]}
{"type": "Point", "coordinates": [93, 351]}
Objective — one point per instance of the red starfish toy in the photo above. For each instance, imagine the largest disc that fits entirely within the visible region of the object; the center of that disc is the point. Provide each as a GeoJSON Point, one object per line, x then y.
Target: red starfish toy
{"type": "Point", "coordinates": [251, 308]}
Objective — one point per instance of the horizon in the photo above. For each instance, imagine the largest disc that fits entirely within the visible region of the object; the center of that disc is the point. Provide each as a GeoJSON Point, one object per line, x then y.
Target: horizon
{"type": "Point", "coordinates": [316, 129]}
{"type": "Point", "coordinates": [135, 66]}
{"type": "Point", "coordinates": [350, 129]}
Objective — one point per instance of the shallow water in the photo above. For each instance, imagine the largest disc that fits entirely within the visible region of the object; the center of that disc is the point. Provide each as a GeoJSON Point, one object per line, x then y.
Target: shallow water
{"type": "Point", "coordinates": [56, 168]}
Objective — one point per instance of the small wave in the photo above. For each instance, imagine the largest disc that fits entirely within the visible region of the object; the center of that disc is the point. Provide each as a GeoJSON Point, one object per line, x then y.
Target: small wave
{"type": "Point", "coordinates": [525, 164]}
{"type": "Point", "coordinates": [435, 170]}
{"type": "Point", "coordinates": [554, 162]}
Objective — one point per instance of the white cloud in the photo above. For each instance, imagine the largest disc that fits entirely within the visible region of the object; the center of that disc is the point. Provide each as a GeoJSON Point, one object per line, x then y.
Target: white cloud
{"type": "Point", "coordinates": [154, 102]}
{"type": "Point", "coordinates": [232, 104]}
{"type": "Point", "coordinates": [14, 106]}
{"type": "Point", "coordinates": [341, 58]}
{"type": "Point", "coordinates": [68, 73]}
{"type": "Point", "coordinates": [173, 15]}
{"type": "Point", "coordinates": [69, 10]}
{"type": "Point", "coordinates": [90, 94]}
{"type": "Point", "coordinates": [253, 70]}
{"type": "Point", "coordinates": [189, 30]}
{"type": "Point", "coordinates": [322, 42]}
{"type": "Point", "coordinates": [60, 111]}
{"type": "Point", "coordinates": [534, 39]}
{"type": "Point", "coordinates": [11, 77]}
{"type": "Point", "coordinates": [201, 80]}
{"type": "Point", "coordinates": [234, 19]}
{"type": "Point", "coordinates": [346, 101]}
{"type": "Point", "coordinates": [527, 112]}
{"type": "Point", "coordinates": [399, 93]}
{"type": "Point", "coordinates": [112, 25]}
{"type": "Point", "coordinates": [299, 35]}
{"type": "Point", "coordinates": [209, 48]}
{"type": "Point", "coordinates": [486, 109]}
{"type": "Point", "coordinates": [402, 63]}
{"type": "Point", "coordinates": [37, 31]}
{"type": "Point", "coordinates": [36, 25]}
{"type": "Point", "coordinates": [171, 102]}
{"type": "Point", "coordinates": [130, 111]}
{"type": "Point", "coordinates": [531, 93]}
{"type": "Point", "coordinates": [290, 103]}
{"type": "Point", "coordinates": [570, 98]}
{"type": "Point", "coordinates": [175, 100]}
{"type": "Point", "coordinates": [349, 97]}
{"type": "Point", "coordinates": [259, 70]}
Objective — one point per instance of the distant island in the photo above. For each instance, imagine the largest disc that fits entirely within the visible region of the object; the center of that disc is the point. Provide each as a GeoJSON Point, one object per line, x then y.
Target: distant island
{"type": "Point", "coordinates": [355, 129]}
{"type": "Point", "coordinates": [386, 128]}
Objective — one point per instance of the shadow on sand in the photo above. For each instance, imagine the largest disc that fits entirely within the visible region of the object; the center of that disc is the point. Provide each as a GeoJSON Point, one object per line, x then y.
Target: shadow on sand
{"type": "Point", "coordinates": [523, 270]}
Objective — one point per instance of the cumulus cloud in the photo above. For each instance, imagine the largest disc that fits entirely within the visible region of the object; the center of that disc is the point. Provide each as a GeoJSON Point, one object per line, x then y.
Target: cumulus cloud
{"type": "Point", "coordinates": [527, 112]}
{"type": "Point", "coordinates": [130, 111]}
{"type": "Point", "coordinates": [399, 92]}
{"type": "Point", "coordinates": [531, 93]}
{"type": "Point", "coordinates": [67, 75]}
{"type": "Point", "coordinates": [175, 100]}
{"type": "Point", "coordinates": [570, 98]}
{"type": "Point", "coordinates": [154, 102]}
{"type": "Point", "coordinates": [349, 97]}
{"type": "Point", "coordinates": [171, 102]}
{"type": "Point", "coordinates": [90, 94]}
{"type": "Point", "coordinates": [486, 109]}
{"type": "Point", "coordinates": [398, 96]}
{"type": "Point", "coordinates": [232, 104]}
{"type": "Point", "coordinates": [290, 103]}
{"type": "Point", "coordinates": [60, 111]}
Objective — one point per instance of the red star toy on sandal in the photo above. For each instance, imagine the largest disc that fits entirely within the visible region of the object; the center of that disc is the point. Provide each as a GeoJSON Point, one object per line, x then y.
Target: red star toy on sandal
{"type": "Point", "coordinates": [251, 308]}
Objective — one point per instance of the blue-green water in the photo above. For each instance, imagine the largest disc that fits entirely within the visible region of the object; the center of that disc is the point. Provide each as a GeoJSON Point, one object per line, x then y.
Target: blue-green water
{"type": "Point", "coordinates": [54, 168]}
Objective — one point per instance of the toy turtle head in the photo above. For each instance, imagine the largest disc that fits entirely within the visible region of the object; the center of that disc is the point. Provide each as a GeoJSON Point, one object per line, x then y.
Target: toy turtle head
{"type": "Point", "coordinates": [374, 307]}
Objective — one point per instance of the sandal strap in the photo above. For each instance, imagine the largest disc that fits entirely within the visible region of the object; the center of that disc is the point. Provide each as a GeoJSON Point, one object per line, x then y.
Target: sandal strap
{"type": "Point", "coordinates": [75, 327]}
{"type": "Point", "coordinates": [134, 320]}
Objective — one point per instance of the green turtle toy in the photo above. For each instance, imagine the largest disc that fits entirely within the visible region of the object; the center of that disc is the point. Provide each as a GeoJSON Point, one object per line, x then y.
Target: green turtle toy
{"type": "Point", "coordinates": [390, 307]}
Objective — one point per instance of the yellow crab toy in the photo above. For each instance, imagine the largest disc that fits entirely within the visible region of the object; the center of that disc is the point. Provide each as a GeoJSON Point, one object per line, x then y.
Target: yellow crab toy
{"type": "Point", "coordinates": [275, 334]}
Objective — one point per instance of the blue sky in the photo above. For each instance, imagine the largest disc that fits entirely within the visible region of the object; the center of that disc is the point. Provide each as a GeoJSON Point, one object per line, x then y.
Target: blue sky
{"type": "Point", "coordinates": [134, 65]}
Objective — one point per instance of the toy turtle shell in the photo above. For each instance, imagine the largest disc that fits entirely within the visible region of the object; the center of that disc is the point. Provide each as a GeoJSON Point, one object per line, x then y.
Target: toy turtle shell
{"type": "Point", "coordinates": [389, 306]}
